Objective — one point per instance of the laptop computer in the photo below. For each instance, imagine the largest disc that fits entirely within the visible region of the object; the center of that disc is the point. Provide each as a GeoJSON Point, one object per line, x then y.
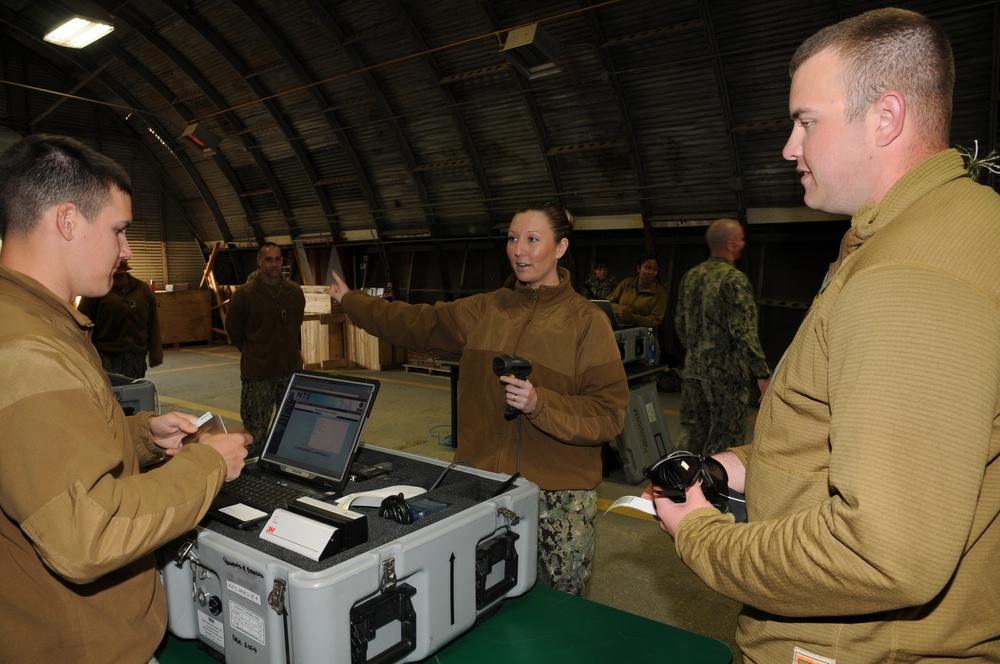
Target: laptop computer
{"type": "Point", "coordinates": [605, 306]}
{"type": "Point", "coordinates": [309, 447]}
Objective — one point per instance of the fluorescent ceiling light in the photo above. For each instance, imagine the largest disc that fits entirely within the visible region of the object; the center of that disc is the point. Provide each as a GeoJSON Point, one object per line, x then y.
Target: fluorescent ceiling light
{"type": "Point", "coordinates": [78, 32]}
{"type": "Point", "coordinates": [532, 51]}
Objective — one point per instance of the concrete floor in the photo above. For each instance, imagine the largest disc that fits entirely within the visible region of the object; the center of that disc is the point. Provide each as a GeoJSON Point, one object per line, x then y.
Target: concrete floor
{"type": "Point", "coordinates": [635, 568]}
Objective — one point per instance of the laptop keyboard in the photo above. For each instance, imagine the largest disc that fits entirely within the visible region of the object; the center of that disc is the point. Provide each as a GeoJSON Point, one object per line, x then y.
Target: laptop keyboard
{"type": "Point", "coordinates": [260, 493]}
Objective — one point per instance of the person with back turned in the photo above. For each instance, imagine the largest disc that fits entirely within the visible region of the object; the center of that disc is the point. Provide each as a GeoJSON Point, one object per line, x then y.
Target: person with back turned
{"type": "Point", "coordinates": [716, 322]}
{"type": "Point", "coordinates": [873, 480]}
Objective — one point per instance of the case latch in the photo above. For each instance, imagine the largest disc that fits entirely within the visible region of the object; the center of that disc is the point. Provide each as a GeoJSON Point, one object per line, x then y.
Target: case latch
{"type": "Point", "coordinates": [186, 552]}
{"type": "Point", "coordinates": [388, 574]}
{"type": "Point", "coordinates": [510, 517]}
{"type": "Point", "coordinates": [276, 598]}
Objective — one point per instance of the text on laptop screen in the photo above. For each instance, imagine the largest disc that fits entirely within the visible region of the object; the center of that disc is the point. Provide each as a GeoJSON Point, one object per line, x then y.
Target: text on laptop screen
{"type": "Point", "coordinates": [318, 425]}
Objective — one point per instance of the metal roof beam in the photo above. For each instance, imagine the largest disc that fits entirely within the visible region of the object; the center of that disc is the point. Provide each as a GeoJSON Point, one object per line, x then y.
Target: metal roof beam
{"type": "Point", "coordinates": [532, 109]}
{"type": "Point", "coordinates": [450, 103]}
{"type": "Point", "coordinates": [137, 22]}
{"type": "Point", "coordinates": [727, 110]}
{"type": "Point", "coordinates": [388, 116]}
{"type": "Point", "coordinates": [275, 111]}
{"type": "Point", "coordinates": [81, 62]}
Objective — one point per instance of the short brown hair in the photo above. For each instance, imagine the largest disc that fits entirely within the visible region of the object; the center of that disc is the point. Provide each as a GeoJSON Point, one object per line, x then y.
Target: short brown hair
{"type": "Point", "coordinates": [40, 171]}
{"type": "Point", "coordinates": [891, 49]}
{"type": "Point", "coordinates": [721, 231]}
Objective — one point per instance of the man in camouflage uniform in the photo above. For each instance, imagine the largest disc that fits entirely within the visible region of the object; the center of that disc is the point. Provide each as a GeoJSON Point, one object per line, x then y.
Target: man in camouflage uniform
{"type": "Point", "coordinates": [264, 322]}
{"type": "Point", "coordinates": [600, 285]}
{"type": "Point", "coordinates": [716, 321]}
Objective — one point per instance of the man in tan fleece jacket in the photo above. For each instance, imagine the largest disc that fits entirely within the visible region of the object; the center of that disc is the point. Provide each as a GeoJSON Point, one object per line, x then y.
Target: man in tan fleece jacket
{"type": "Point", "coordinates": [872, 484]}
{"type": "Point", "coordinates": [85, 494]}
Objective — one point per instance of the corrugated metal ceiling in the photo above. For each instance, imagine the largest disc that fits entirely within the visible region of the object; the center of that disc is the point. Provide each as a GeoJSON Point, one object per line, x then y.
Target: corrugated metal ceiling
{"type": "Point", "coordinates": [400, 117]}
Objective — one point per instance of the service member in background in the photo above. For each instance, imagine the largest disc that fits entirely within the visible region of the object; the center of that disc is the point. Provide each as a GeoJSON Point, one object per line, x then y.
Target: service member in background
{"type": "Point", "coordinates": [600, 284]}
{"type": "Point", "coordinates": [126, 325]}
{"type": "Point", "coordinates": [79, 521]}
{"type": "Point", "coordinates": [641, 300]}
{"type": "Point", "coordinates": [873, 480]}
{"type": "Point", "coordinates": [264, 321]}
{"type": "Point", "coordinates": [716, 322]}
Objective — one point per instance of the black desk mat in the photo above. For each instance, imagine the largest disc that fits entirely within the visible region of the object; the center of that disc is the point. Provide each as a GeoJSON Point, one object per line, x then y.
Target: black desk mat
{"type": "Point", "coordinates": [461, 490]}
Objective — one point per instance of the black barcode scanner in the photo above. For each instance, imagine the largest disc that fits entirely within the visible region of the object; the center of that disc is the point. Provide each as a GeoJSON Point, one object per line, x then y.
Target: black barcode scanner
{"type": "Point", "coordinates": [511, 365]}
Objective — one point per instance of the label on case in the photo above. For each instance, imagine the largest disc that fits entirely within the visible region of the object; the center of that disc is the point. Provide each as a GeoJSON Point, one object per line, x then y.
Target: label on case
{"type": "Point", "coordinates": [211, 629]}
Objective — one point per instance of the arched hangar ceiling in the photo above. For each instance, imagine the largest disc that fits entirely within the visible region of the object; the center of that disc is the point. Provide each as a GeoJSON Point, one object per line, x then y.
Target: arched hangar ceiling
{"type": "Point", "coordinates": [341, 119]}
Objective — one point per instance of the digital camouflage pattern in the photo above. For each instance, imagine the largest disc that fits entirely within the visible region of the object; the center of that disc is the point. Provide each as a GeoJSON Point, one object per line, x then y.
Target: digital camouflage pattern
{"type": "Point", "coordinates": [716, 321]}
{"type": "Point", "coordinates": [566, 538]}
{"type": "Point", "coordinates": [259, 398]}
{"type": "Point", "coordinates": [713, 415]}
{"type": "Point", "coordinates": [598, 289]}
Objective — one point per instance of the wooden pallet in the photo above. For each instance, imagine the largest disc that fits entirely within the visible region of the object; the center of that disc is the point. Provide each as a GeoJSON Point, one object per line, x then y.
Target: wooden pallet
{"type": "Point", "coordinates": [432, 369]}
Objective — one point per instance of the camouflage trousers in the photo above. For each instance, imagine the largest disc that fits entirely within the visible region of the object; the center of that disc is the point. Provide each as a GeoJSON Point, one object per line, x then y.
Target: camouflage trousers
{"type": "Point", "coordinates": [566, 539]}
{"type": "Point", "coordinates": [131, 363]}
{"type": "Point", "coordinates": [259, 399]}
{"type": "Point", "coordinates": [713, 414]}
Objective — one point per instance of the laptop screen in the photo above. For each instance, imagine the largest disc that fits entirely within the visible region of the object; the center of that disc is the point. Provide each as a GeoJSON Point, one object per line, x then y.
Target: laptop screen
{"type": "Point", "coordinates": [605, 306]}
{"type": "Point", "coordinates": [318, 426]}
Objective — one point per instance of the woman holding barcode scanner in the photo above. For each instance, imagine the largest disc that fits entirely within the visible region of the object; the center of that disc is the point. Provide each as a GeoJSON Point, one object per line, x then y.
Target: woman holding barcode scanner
{"type": "Point", "coordinates": [564, 392]}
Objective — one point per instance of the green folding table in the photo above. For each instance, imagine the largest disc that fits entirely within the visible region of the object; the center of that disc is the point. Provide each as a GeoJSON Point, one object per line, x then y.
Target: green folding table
{"type": "Point", "coordinates": [546, 625]}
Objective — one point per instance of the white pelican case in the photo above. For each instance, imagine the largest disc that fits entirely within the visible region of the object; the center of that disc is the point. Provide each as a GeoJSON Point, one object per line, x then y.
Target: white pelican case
{"type": "Point", "coordinates": [135, 395]}
{"type": "Point", "coordinates": [397, 598]}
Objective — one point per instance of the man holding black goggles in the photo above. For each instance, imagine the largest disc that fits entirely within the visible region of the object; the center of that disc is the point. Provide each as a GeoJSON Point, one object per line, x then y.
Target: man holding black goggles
{"type": "Point", "coordinates": [873, 479]}
{"type": "Point", "coordinates": [675, 473]}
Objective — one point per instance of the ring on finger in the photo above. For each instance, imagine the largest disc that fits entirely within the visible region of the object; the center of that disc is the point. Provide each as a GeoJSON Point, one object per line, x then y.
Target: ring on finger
{"type": "Point", "coordinates": [513, 397]}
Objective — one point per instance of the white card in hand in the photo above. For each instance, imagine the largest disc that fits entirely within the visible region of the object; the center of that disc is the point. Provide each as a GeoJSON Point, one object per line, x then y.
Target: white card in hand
{"type": "Point", "coordinates": [207, 424]}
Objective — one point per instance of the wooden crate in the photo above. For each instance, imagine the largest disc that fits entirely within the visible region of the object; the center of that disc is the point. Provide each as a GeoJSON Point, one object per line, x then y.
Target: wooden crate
{"type": "Point", "coordinates": [185, 316]}
{"type": "Point", "coordinates": [363, 350]}
{"type": "Point", "coordinates": [323, 341]}
{"type": "Point", "coordinates": [318, 301]}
